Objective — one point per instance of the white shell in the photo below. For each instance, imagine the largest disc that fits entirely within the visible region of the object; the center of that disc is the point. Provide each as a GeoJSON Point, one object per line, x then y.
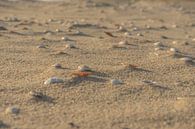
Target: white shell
{"type": "Point", "coordinates": [158, 48]}
{"type": "Point", "coordinates": [173, 50]}
{"type": "Point", "coordinates": [186, 59]}
{"type": "Point", "coordinates": [83, 68]}
{"type": "Point", "coordinates": [64, 38]}
{"type": "Point", "coordinates": [12, 110]}
{"type": "Point", "coordinates": [158, 44]}
{"type": "Point", "coordinates": [70, 45]}
{"type": "Point", "coordinates": [116, 82]}
{"type": "Point", "coordinates": [53, 80]}
{"type": "Point", "coordinates": [175, 42]}
{"type": "Point", "coordinates": [127, 34]}
{"type": "Point", "coordinates": [123, 43]}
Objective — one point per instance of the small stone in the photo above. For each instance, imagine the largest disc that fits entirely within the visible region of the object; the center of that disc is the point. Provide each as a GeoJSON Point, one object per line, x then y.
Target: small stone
{"type": "Point", "coordinates": [53, 80]}
{"type": "Point", "coordinates": [148, 27]}
{"type": "Point", "coordinates": [121, 28]}
{"type": "Point", "coordinates": [78, 32]}
{"type": "Point", "coordinates": [64, 39]}
{"type": "Point", "coordinates": [116, 82]}
{"type": "Point", "coordinates": [12, 110]}
{"type": "Point", "coordinates": [58, 30]}
{"type": "Point", "coordinates": [57, 66]}
{"type": "Point", "coordinates": [84, 68]}
{"type": "Point", "coordinates": [135, 29]}
{"type": "Point", "coordinates": [139, 34]}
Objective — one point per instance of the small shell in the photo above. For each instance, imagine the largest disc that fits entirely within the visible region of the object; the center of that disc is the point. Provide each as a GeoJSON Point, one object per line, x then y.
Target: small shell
{"type": "Point", "coordinates": [139, 34]}
{"type": "Point", "coordinates": [186, 59]}
{"type": "Point", "coordinates": [158, 48]}
{"type": "Point", "coordinates": [58, 30]}
{"type": "Point", "coordinates": [175, 42]}
{"type": "Point", "coordinates": [121, 28]}
{"type": "Point", "coordinates": [70, 45]}
{"type": "Point", "coordinates": [64, 38]}
{"type": "Point", "coordinates": [116, 82]}
{"type": "Point", "coordinates": [158, 44]}
{"type": "Point", "coordinates": [12, 110]}
{"type": "Point", "coordinates": [173, 50]}
{"type": "Point", "coordinates": [83, 68]}
{"type": "Point", "coordinates": [135, 29]}
{"type": "Point", "coordinates": [123, 43]}
{"type": "Point", "coordinates": [57, 66]}
{"type": "Point", "coordinates": [174, 26]}
{"type": "Point", "coordinates": [127, 34]}
{"type": "Point", "coordinates": [53, 80]}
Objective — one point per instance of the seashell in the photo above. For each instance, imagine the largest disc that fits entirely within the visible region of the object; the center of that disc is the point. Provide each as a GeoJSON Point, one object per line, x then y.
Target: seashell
{"type": "Point", "coordinates": [158, 44]}
{"type": "Point", "coordinates": [78, 32]}
{"type": "Point", "coordinates": [135, 29]}
{"type": "Point", "coordinates": [70, 45]}
{"type": "Point", "coordinates": [58, 30]}
{"type": "Point", "coordinates": [175, 42]}
{"type": "Point", "coordinates": [123, 42]}
{"type": "Point", "coordinates": [53, 80]}
{"type": "Point", "coordinates": [64, 39]}
{"type": "Point", "coordinates": [148, 27]}
{"type": "Point", "coordinates": [83, 68]}
{"type": "Point", "coordinates": [12, 110]}
{"type": "Point", "coordinates": [116, 82]}
{"type": "Point", "coordinates": [174, 26]}
{"type": "Point", "coordinates": [173, 50]}
{"type": "Point", "coordinates": [139, 34]}
{"type": "Point", "coordinates": [186, 60]}
{"type": "Point", "coordinates": [57, 66]}
{"type": "Point", "coordinates": [158, 48]}
{"type": "Point", "coordinates": [127, 34]}
{"type": "Point", "coordinates": [121, 28]}
{"type": "Point", "coordinates": [193, 39]}
{"type": "Point", "coordinates": [36, 95]}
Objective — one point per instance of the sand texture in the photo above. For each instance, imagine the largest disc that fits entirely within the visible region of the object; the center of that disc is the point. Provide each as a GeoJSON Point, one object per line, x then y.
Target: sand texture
{"type": "Point", "coordinates": [148, 47]}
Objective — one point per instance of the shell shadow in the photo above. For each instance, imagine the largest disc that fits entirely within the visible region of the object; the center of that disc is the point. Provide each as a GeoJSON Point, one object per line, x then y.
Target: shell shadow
{"type": "Point", "coordinates": [76, 80]}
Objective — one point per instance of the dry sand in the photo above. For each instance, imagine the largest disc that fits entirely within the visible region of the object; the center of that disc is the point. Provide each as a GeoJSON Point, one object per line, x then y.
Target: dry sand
{"type": "Point", "coordinates": [158, 94]}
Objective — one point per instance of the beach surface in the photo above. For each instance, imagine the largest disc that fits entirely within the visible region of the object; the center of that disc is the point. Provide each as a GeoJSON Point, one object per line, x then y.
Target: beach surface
{"type": "Point", "coordinates": [139, 59]}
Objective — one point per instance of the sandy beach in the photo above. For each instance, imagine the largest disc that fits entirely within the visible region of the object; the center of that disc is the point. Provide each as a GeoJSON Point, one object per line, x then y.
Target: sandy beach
{"type": "Point", "coordinates": [97, 64]}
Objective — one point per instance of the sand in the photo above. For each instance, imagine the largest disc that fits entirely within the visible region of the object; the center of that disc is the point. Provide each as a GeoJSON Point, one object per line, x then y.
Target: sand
{"type": "Point", "coordinates": [157, 90]}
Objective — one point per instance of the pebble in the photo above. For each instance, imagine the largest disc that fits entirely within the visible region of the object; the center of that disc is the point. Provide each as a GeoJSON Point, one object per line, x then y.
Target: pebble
{"type": "Point", "coordinates": [116, 82]}
{"type": "Point", "coordinates": [53, 80]}
{"type": "Point", "coordinates": [64, 39]}
{"type": "Point", "coordinates": [84, 68]}
{"type": "Point", "coordinates": [12, 110]}
{"type": "Point", "coordinates": [57, 66]}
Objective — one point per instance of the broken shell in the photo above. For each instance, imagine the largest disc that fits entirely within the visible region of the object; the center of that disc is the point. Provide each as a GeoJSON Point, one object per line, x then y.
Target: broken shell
{"type": "Point", "coordinates": [53, 80]}
{"type": "Point", "coordinates": [83, 68]}
{"type": "Point", "coordinates": [12, 110]}
{"type": "Point", "coordinates": [116, 82]}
